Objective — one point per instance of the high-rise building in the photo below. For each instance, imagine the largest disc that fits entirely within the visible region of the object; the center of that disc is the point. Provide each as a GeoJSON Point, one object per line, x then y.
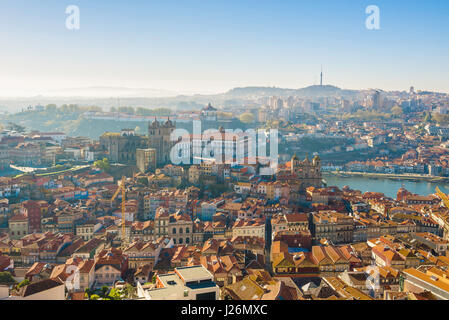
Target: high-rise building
{"type": "Point", "coordinates": [377, 100]}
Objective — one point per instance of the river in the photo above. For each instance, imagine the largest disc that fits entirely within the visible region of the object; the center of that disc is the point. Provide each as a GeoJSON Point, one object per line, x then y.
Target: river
{"type": "Point", "coordinates": [387, 186]}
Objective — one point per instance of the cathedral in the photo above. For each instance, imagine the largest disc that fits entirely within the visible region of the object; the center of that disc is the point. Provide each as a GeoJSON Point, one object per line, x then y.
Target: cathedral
{"type": "Point", "coordinates": [121, 147]}
{"type": "Point", "coordinates": [309, 172]}
{"type": "Point", "coordinates": [159, 139]}
{"type": "Point", "coordinates": [301, 174]}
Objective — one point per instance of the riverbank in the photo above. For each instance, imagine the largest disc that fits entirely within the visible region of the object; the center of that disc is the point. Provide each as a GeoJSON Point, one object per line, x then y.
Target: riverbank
{"type": "Point", "coordinates": [407, 177]}
{"type": "Point", "coordinates": [17, 172]}
{"type": "Point", "coordinates": [386, 185]}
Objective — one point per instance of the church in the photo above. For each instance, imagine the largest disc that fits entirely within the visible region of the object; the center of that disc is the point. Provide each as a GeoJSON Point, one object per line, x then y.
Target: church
{"type": "Point", "coordinates": [121, 147]}
{"type": "Point", "coordinates": [159, 139]}
{"type": "Point", "coordinates": [301, 174]}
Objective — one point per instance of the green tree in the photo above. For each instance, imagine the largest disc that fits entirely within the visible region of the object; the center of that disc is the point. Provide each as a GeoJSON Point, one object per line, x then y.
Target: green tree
{"type": "Point", "coordinates": [87, 293]}
{"type": "Point", "coordinates": [103, 164]}
{"type": "Point", "coordinates": [129, 291]}
{"type": "Point", "coordinates": [128, 110]}
{"type": "Point", "coordinates": [104, 291]}
{"type": "Point", "coordinates": [247, 117]}
{"type": "Point", "coordinates": [51, 108]}
{"type": "Point", "coordinates": [440, 118]}
{"type": "Point", "coordinates": [23, 283]}
{"type": "Point", "coordinates": [15, 127]}
{"type": "Point", "coordinates": [225, 115]}
{"type": "Point", "coordinates": [396, 111]}
{"type": "Point", "coordinates": [115, 294]}
{"type": "Point", "coordinates": [6, 278]}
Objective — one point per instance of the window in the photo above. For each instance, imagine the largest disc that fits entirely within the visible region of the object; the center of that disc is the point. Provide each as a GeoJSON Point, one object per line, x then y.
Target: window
{"type": "Point", "coordinates": [206, 296]}
{"type": "Point", "coordinates": [174, 230]}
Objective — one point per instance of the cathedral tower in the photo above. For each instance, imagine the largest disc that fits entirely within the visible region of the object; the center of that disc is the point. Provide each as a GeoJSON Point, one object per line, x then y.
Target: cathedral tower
{"type": "Point", "coordinates": [159, 139]}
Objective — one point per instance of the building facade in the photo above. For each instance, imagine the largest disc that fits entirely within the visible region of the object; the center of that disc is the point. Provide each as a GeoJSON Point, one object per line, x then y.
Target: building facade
{"type": "Point", "coordinates": [146, 160]}
{"type": "Point", "coordinates": [159, 139]}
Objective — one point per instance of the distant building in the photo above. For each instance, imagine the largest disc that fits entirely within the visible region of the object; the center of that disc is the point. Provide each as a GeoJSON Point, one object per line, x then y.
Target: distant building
{"type": "Point", "coordinates": [209, 113]}
{"type": "Point", "coordinates": [121, 147]}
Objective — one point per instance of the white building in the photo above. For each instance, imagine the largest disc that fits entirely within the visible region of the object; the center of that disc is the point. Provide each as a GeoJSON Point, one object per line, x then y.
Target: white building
{"type": "Point", "coordinates": [188, 283]}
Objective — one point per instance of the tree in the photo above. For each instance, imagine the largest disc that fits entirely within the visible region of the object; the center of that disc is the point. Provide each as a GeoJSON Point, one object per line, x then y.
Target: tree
{"type": "Point", "coordinates": [225, 115]}
{"type": "Point", "coordinates": [103, 164]}
{"type": "Point", "coordinates": [51, 108]}
{"type": "Point", "coordinates": [397, 111]}
{"type": "Point", "coordinates": [6, 278]}
{"type": "Point", "coordinates": [104, 291]}
{"type": "Point", "coordinates": [440, 118]}
{"type": "Point", "coordinates": [247, 117]}
{"type": "Point", "coordinates": [15, 127]}
{"type": "Point", "coordinates": [115, 294]}
{"type": "Point", "coordinates": [128, 110]}
{"type": "Point", "coordinates": [88, 293]}
{"type": "Point", "coordinates": [129, 291]}
{"type": "Point", "coordinates": [23, 283]}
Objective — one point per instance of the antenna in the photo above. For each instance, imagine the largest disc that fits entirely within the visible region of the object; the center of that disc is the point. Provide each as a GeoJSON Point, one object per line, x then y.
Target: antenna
{"type": "Point", "coordinates": [321, 76]}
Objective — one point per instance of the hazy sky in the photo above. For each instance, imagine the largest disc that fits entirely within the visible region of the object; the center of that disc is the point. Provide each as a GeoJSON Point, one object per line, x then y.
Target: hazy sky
{"type": "Point", "coordinates": [214, 45]}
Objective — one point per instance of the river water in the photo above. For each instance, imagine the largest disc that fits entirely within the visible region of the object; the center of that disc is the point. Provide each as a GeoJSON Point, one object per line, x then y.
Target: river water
{"type": "Point", "coordinates": [387, 186]}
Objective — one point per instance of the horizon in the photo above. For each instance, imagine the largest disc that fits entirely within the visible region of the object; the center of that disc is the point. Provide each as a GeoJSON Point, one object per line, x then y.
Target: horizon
{"type": "Point", "coordinates": [174, 94]}
{"type": "Point", "coordinates": [209, 48]}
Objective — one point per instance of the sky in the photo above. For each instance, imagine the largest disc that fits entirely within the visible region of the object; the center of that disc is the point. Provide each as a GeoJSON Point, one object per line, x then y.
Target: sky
{"type": "Point", "coordinates": [211, 46]}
